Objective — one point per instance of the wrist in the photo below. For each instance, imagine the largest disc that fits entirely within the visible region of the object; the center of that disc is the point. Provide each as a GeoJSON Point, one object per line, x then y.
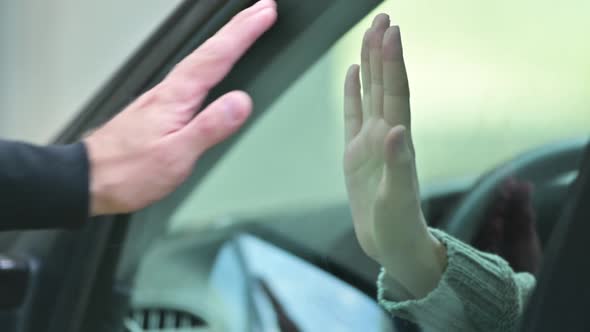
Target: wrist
{"type": "Point", "coordinates": [393, 289]}
{"type": "Point", "coordinates": [418, 271]}
{"type": "Point", "coordinates": [100, 183]}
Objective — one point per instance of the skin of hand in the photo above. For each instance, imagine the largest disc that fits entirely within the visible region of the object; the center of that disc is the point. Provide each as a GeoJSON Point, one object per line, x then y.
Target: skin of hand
{"type": "Point", "coordinates": [151, 147]}
{"type": "Point", "coordinates": [380, 171]}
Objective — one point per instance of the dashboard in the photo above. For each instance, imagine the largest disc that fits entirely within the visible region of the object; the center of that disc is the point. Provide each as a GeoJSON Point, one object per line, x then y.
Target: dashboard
{"type": "Point", "coordinates": [244, 283]}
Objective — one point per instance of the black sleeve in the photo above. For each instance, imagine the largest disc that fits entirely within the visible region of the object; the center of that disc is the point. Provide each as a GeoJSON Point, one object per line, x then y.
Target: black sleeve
{"type": "Point", "coordinates": [43, 187]}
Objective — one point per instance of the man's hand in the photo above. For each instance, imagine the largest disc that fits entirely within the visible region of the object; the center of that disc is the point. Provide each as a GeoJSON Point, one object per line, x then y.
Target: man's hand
{"type": "Point", "coordinates": [379, 166]}
{"type": "Point", "coordinates": [150, 148]}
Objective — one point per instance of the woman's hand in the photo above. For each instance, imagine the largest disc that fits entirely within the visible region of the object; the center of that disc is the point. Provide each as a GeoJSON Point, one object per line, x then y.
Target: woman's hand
{"type": "Point", "coordinates": [379, 166]}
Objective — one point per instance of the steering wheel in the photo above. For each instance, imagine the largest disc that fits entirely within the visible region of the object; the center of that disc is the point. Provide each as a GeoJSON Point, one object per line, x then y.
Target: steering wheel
{"type": "Point", "coordinates": [538, 166]}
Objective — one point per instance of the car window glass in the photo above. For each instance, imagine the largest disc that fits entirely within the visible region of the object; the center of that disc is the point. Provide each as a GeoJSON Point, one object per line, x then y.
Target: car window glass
{"type": "Point", "coordinates": [482, 92]}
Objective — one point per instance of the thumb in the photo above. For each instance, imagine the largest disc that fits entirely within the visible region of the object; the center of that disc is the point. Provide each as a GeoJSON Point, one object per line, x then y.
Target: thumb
{"type": "Point", "coordinates": [400, 171]}
{"type": "Point", "coordinates": [218, 121]}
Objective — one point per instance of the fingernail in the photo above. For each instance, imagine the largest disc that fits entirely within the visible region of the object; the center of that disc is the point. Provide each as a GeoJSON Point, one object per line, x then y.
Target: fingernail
{"type": "Point", "coordinates": [231, 111]}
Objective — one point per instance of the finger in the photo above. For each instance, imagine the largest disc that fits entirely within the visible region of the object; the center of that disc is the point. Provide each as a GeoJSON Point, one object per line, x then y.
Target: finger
{"type": "Point", "coordinates": [366, 71]}
{"type": "Point", "coordinates": [190, 80]}
{"type": "Point", "coordinates": [353, 110]}
{"type": "Point", "coordinates": [380, 25]}
{"type": "Point", "coordinates": [217, 122]}
{"type": "Point", "coordinates": [219, 53]}
{"type": "Point", "coordinates": [395, 82]}
{"type": "Point", "coordinates": [381, 21]}
{"type": "Point", "coordinates": [400, 170]}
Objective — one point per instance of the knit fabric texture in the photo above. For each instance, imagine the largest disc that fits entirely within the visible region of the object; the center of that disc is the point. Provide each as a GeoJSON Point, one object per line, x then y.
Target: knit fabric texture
{"type": "Point", "coordinates": [477, 292]}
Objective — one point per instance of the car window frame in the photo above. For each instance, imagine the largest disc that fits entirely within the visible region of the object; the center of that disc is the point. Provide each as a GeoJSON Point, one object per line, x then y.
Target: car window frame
{"type": "Point", "coordinates": [92, 261]}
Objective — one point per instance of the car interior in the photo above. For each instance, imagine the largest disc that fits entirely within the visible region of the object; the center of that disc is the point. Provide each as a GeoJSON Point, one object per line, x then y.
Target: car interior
{"type": "Point", "coordinates": [335, 252]}
{"type": "Point", "coordinates": [194, 262]}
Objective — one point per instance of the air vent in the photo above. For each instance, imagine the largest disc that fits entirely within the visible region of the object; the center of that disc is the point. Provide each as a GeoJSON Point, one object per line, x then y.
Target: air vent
{"type": "Point", "coordinates": [158, 319]}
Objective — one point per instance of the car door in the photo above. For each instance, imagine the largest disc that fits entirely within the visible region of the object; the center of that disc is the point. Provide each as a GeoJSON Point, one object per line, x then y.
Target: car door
{"type": "Point", "coordinates": [63, 280]}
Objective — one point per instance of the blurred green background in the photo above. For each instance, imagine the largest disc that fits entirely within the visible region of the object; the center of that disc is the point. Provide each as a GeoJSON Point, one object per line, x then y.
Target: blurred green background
{"type": "Point", "coordinates": [488, 81]}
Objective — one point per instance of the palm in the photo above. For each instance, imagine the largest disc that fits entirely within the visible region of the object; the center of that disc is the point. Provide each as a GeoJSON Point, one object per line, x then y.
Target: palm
{"type": "Point", "coordinates": [364, 162]}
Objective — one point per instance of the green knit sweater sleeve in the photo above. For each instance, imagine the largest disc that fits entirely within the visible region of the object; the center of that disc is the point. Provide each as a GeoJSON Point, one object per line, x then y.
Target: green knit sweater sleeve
{"type": "Point", "coordinates": [477, 292]}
